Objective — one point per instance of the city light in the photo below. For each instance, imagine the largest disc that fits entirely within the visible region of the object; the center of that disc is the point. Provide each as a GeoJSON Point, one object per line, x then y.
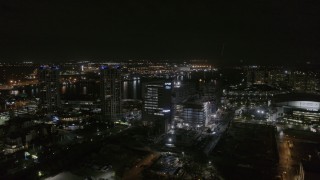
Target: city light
{"type": "Point", "coordinates": [165, 90]}
{"type": "Point", "coordinates": [183, 116]}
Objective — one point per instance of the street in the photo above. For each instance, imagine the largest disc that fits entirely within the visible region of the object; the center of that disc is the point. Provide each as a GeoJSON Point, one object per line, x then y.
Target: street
{"type": "Point", "coordinates": [286, 163]}
{"type": "Point", "coordinates": [135, 171]}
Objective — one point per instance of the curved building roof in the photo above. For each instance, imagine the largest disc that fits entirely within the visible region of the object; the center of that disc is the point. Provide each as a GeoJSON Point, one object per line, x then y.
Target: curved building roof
{"type": "Point", "coordinates": [296, 97]}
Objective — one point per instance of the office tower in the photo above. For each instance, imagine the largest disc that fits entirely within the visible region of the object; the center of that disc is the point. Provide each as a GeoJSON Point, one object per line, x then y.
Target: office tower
{"type": "Point", "coordinates": [110, 93]}
{"type": "Point", "coordinates": [197, 113]}
{"type": "Point", "coordinates": [157, 104]}
{"type": "Point", "coordinates": [49, 86]}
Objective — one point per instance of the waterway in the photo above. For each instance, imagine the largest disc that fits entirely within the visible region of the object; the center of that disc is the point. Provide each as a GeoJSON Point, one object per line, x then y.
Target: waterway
{"type": "Point", "coordinates": [131, 89]}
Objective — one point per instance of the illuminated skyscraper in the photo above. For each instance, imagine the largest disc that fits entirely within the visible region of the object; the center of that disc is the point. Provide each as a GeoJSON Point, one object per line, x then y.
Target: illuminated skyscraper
{"type": "Point", "coordinates": [110, 93]}
{"type": "Point", "coordinates": [157, 104]}
{"type": "Point", "coordinates": [49, 85]}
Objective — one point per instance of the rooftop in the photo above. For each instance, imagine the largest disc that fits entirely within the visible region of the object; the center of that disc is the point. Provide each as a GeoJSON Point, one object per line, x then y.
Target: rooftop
{"type": "Point", "coordinates": [297, 97]}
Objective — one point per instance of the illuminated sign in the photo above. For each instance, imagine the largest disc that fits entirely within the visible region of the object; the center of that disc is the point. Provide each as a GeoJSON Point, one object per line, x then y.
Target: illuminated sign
{"type": "Point", "coordinates": [167, 85]}
{"type": "Point", "coordinates": [55, 118]}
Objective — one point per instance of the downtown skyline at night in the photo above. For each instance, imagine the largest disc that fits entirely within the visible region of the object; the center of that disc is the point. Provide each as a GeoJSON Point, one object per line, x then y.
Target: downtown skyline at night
{"type": "Point", "coordinates": [212, 90]}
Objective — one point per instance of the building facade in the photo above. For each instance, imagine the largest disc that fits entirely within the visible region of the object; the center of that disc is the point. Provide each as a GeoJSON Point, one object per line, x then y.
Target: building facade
{"type": "Point", "coordinates": [157, 104]}
{"type": "Point", "coordinates": [110, 93]}
{"type": "Point", "coordinates": [298, 108]}
{"type": "Point", "coordinates": [197, 114]}
{"type": "Point", "coordinates": [49, 85]}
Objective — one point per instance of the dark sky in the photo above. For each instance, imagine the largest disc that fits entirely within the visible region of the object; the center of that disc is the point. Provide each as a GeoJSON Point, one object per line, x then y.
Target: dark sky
{"type": "Point", "coordinates": [262, 31]}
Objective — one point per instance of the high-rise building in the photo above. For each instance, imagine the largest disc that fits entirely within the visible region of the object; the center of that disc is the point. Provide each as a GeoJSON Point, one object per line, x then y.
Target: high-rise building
{"type": "Point", "coordinates": [49, 84]}
{"type": "Point", "coordinates": [110, 92]}
{"type": "Point", "coordinates": [157, 104]}
{"type": "Point", "coordinates": [197, 113]}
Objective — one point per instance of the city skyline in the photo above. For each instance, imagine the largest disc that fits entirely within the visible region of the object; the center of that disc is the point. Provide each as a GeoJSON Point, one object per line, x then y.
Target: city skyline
{"type": "Point", "coordinates": [160, 89]}
{"type": "Point", "coordinates": [150, 120]}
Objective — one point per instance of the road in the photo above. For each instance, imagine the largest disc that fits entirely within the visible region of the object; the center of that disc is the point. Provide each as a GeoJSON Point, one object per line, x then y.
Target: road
{"type": "Point", "coordinates": [135, 172]}
{"type": "Point", "coordinates": [286, 162]}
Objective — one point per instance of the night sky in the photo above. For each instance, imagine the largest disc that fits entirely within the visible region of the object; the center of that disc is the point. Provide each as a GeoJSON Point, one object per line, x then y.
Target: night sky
{"type": "Point", "coordinates": [256, 31]}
